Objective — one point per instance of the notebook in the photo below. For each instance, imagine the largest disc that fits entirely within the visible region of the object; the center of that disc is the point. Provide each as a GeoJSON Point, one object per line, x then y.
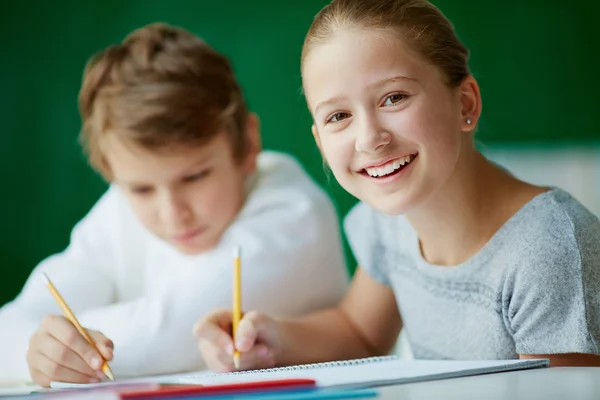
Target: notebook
{"type": "Point", "coordinates": [358, 373]}
{"type": "Point", "coordinates": [369, 372]}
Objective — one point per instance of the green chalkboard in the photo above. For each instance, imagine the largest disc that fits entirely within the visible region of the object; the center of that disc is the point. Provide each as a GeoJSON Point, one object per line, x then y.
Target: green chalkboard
{"type": "Point", "coordinates": [535, 61]}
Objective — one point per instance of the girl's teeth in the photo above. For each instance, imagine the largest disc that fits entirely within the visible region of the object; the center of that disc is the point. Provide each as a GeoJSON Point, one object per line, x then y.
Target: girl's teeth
{"type": "Point", "coordinates": [389, 167]}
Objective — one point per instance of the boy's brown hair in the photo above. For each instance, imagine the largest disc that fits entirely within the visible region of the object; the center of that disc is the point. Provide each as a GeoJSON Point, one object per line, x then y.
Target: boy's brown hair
{"type": "Point", "coordinates": [161, 88]}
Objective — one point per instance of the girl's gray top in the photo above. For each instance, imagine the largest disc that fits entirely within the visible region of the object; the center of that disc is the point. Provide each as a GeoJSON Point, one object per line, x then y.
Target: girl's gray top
{"type": "Point", "coordinates": [534, 288]}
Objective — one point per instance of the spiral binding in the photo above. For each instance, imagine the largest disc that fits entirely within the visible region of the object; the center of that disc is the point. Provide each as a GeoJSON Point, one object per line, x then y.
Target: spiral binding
{"type": "Point", "coordinates": [328, 364]}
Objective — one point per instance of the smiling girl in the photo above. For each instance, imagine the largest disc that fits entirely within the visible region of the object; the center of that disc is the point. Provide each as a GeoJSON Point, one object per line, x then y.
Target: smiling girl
{"type": "Point", "coordinates": [472, 262]}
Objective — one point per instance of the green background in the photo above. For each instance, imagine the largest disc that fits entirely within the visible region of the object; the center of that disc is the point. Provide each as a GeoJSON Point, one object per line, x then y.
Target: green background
{"type": "Point", "coordinates": [535, 61]}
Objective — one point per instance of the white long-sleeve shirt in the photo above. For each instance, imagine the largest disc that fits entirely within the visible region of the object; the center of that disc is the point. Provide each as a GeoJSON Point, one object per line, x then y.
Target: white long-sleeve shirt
{"type": "Point", "coordinates": [141, 293]}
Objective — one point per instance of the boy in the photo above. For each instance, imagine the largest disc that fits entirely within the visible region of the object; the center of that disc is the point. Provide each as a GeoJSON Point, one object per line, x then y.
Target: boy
{"type": "Point", "coordinates": [165, 122]}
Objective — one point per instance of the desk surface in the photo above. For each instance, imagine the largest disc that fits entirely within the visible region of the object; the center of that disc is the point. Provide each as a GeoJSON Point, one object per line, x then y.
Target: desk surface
{"type": "Point", "coordinates": [546, 383]}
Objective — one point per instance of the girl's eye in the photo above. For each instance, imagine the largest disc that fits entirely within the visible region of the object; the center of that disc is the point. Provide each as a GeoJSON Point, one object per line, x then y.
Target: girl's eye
{"type": "Point", "coordinates": [337, 117]}
{"type": "Point", "coordinates": [394, 98]}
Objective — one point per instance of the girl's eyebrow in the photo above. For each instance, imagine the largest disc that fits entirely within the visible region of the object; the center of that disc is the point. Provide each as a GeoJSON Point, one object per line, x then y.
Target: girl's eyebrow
{"type": "Point", "coordinates": [374, 84]}
{"type": "Point", "coordinates": [327, 102]}
{"type": "Point", "coordinates": [393, 79]}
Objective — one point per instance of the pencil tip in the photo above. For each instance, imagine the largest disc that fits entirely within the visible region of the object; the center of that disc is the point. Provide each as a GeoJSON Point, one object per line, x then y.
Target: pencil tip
{"type": "Point", "coordinates": [109, 374]}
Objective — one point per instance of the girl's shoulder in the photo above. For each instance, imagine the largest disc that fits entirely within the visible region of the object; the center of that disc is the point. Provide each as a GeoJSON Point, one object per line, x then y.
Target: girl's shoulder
{"type": "Point", "coordinates": [557, 216]}
{"type": "Point", "coordinates": [553, 236]}
{"type": "Point", "coordinates": [364, 218]}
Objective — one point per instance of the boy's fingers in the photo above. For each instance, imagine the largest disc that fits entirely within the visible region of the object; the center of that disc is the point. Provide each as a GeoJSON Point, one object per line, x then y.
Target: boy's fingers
{"type": "Point", "coordinates": [104, 345]}
{"type": "Point", "coordinates": [60, 354]}
{"type": "Point", "coordinates": [39, 378]}
{"type": "Point", "coordinates": [60, 373]}
{"type": "Point", "coordinates": [66, 333]}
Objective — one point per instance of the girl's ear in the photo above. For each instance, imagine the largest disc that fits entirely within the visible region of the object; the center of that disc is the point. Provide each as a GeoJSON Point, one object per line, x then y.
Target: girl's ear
{"type": "Point", "coordinates": [470, 99]}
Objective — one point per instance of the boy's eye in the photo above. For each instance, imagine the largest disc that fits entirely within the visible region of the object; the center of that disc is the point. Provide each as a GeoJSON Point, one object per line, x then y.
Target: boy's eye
{"type": "Point", "coordinates": [196, 177]}
{"type": "Point", "coordinates": [141, 189]}
{"type": "Point", "coordinates": [394, 98]}
{"type": "Point", "coordinates": [337, 117]}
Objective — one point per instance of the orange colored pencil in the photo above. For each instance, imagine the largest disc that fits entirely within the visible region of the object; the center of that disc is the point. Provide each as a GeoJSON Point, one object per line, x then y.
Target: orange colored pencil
{"type": "Point", "coordinates": [71, 317]}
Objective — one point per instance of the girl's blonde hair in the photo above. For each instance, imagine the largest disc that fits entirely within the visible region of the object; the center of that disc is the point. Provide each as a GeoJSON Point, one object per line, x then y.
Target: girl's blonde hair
{"type": "Point", "coordinates": [421, 25]}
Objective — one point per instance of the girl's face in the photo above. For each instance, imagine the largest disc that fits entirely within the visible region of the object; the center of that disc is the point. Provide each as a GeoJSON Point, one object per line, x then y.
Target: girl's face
{"type": "Point", "coordinates": [388, 125]}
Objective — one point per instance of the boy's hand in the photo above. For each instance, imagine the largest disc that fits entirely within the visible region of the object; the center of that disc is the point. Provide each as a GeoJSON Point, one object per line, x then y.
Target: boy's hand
{"type": "Point", "coordinates": [256, 341]}
{"type": "Point", "coordinates": [57, 352]}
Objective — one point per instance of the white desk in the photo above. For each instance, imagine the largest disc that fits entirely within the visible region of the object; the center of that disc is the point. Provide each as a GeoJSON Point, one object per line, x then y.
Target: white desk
{"type": "Point", "coordinates": [545, 384]}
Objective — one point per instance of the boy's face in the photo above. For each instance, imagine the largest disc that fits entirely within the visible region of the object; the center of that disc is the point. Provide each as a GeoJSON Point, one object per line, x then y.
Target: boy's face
{"type": "Point", "coordinates": [189, 196]}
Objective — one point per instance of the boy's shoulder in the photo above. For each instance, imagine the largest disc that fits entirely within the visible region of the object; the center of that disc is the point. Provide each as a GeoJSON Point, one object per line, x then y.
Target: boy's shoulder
{"type": "Point", "coordinates": [113, 212]}
{"type": "Point", "coordinates": [287, 211]}
{"type": "Point", "coordinates": [281, 167]}
{"type": "Point", "coordinates": [281, 177]}
{"type": "Point", "coordinates": [282, 193]}
{"type": "Point", "coordinates": [109, 203]}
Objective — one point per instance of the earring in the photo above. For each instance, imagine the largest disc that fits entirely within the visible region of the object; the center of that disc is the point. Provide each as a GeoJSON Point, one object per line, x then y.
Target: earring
{"type": "Point", "coordinates": [469, 121]}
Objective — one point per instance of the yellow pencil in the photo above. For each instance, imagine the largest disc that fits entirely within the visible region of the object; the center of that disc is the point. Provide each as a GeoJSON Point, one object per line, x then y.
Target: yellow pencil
{"type": "Point", "coordinates": [71, 317]}
{"type": "Point", "coordinates": [237, 299]}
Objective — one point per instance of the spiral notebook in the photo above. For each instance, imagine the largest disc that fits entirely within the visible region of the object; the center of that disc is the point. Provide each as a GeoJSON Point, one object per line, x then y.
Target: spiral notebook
{"type": "Point", "coordinates": [359, 373]}
{"type": "Point", "coordinates": [368, 372]}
